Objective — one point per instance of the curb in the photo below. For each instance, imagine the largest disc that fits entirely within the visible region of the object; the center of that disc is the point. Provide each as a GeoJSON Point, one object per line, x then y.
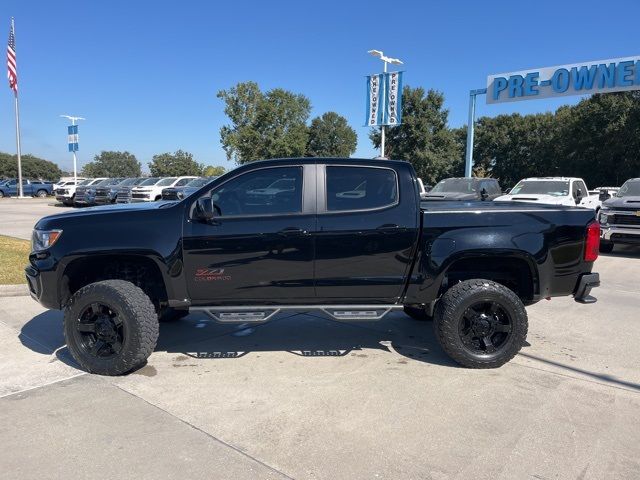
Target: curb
{"type": "Point", "coordinates": [14, 290]}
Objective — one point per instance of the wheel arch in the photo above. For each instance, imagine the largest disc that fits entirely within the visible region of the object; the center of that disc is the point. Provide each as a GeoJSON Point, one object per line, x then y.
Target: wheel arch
{"type": "Point", "coordinates": [143, 271]}
{"type": "Point", "coordinates": [516, 271]}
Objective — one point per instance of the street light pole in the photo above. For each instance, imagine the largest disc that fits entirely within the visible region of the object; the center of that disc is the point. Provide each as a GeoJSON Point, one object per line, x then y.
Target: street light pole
{"type": "Point", "coordinates": [75, 169]}
{"type": "Point", "coordinates": [386, 60]}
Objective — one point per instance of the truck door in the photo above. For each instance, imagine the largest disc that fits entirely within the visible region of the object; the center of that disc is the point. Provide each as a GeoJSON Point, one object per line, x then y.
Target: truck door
{"type": "Point", "coordinates": [259, 248]}
{"type": "Point", "coordinates": [367, 230]}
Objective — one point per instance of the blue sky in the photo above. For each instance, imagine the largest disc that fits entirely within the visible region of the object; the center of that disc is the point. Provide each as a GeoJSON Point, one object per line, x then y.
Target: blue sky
{"type": "Point", "coordinates": [145, 73]}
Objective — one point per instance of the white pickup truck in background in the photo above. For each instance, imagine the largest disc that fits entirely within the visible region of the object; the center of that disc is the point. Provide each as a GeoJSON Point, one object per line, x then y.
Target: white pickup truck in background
{"type": "Point", "coordinates": [568, 191]}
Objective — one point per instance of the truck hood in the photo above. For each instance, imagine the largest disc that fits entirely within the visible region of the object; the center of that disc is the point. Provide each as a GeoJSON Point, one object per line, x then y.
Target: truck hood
{"type": "Point", "coordinates": [449, 196]}
{"type": "Point", "coordinates": [87, 214]}
{"type": "Point", "coordinates": [534, 198]}
{"type": "Point", "coordinates": [622, 203]}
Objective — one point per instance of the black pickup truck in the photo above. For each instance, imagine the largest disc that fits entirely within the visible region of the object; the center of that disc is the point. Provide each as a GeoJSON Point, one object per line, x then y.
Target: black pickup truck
{"type": "Point", "coordinates": [344, 236]}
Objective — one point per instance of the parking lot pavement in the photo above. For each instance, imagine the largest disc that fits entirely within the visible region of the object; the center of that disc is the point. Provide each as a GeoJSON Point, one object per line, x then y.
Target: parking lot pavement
{"type": "Point", "coordinates": [308, 397]}
{"type": "Point", "coordinates": [18, 216]}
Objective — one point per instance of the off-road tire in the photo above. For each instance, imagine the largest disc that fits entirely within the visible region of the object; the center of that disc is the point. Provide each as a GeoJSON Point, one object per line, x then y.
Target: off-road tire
{"type": "Point", "coordinates": [168, 314]}
{"type": "Point", "coordinates": [140, 324]}
{"type": "Point", "coordinates": [417, 313]}
{"type": "Point", "coordinates": [606, 247]}
{"type": "Point", "coordinates": [453, 304]}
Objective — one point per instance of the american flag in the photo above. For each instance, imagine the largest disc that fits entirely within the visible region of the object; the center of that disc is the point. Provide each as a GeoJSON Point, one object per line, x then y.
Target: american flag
{"type": "Point", "coordinates": [12, 72]}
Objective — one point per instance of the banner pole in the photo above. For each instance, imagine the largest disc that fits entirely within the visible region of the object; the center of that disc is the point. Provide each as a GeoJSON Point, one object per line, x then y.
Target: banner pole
{"type": "Point", "coordinates": [382, 132]}
{"type": "Point", "coordinates": [20, 189]}
{"type": "Point", "coordinates": [75, 171]}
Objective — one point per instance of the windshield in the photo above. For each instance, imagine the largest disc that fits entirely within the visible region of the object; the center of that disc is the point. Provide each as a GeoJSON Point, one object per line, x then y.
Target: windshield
{"type": "Point", "coordinates": [97, 181]}
{"type": "Point", "coordinates": [149, 181]}
{"type": "Point", "coordinates": [85, 182]}
{"type": "Point", "coordinates": [631, 188]}
{"type": "Point", "coordinates": [456, 185]}
{"type": "Point", "coordinates": [557, 188]}
{"type": "Point", "coordinates": [128, 182]}
{"type": "Point", "coordinates": [200, 182]}
{"type": "Point", "coordinates": [167, 181]}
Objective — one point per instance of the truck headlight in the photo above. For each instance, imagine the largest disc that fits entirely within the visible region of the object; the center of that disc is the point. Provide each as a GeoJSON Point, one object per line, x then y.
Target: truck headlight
{"type": "Point", "coordinates": [604, 217]}
{"type": "Point", "coordinates": [43, 239]}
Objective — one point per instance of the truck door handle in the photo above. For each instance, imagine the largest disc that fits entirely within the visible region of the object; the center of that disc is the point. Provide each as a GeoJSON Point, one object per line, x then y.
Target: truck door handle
{"type": "Point", "coordinates": [388, 226]}
{"type": "Point", "coordinates": [292, 232]}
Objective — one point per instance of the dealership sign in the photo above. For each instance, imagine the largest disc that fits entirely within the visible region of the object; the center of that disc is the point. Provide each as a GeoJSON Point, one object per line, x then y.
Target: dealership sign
{"type": "Point", "coordinates": [603, 76]}
{"type": "Point", "coordinates": [384, 99]}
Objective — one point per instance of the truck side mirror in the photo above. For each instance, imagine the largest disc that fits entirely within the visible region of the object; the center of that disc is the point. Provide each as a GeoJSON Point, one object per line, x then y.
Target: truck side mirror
{"type": "Point", "coordinates": [204, 208]}
{"type": "Point", "coordinates": [604, 195]}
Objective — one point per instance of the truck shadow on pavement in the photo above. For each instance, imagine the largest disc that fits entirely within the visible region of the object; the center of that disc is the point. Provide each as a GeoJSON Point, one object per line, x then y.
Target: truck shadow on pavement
{"type": "Point", "coordinates": [301, 334]}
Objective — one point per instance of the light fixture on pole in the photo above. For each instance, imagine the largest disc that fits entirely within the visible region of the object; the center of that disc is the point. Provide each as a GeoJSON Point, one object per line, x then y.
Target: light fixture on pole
{"type": "Point", "coordinates": [386, 60]}
{"type": "Point", "coordinates": [73, 145]}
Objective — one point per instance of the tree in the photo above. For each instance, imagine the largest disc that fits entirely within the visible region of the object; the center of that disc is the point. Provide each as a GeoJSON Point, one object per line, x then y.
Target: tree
{"type": "Point", "coordinates": [263, 125]}
{"type": "Point", "coordinates": [423, 138]}
{"type": "Point", "coordinates": [174, 165]}
{"type": "Point", "coordinates": [213, 171]}
{"type": "Point", "coordinates": [112, 164]}
{"type": "Point", "coordinates": [331, 136]}
{"type": "Point", "coordinates": [512, 147]}
{"type": "Point", "coordinates": [32, 167]}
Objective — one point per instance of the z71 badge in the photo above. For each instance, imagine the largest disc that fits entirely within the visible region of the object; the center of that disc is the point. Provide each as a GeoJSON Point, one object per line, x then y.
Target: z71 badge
{"type": "Point", "coordinates": [210, 275]}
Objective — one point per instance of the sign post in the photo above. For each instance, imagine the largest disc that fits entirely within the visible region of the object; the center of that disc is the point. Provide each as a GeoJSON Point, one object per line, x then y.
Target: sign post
{"type": "Point", "coordinates": [601, 76]}
{"type": "Point", "coordinates": [72, 141]}
{"type": "Point", "coordinates": [384, 98]}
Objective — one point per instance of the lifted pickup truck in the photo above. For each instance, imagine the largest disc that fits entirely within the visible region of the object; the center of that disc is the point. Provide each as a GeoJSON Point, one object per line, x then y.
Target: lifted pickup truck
{"type": "Point", "coordinates": [344, 236]}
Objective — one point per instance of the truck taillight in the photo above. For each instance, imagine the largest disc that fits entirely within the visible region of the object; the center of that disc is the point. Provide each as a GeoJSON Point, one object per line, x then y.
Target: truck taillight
{"type": "Point", "coordinates": [592, 244]}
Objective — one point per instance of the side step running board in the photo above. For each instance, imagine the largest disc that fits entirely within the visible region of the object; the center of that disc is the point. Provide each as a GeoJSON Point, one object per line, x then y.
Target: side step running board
{"type": "Point", "coordinates": [261, 314]}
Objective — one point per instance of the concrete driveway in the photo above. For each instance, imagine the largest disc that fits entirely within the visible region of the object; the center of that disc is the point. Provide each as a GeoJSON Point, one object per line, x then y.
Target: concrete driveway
{"type": "Point", "coordinates": [307, 397]}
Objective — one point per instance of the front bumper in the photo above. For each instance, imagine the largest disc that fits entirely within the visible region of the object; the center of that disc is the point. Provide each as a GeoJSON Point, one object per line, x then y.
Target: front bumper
{"type": "Point", "coordinates": [616, 234]}
{"type": "Point", "coordinates": [586, 282]}
{"type": "Point", "coordinates": [46, 297]}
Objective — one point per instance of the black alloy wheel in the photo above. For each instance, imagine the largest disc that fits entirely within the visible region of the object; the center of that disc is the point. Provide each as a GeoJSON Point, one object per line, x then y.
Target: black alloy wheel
{"type": "Point", "coordinates": [485, 327]}
{"type": "Point", "coordinates": [100, 331]}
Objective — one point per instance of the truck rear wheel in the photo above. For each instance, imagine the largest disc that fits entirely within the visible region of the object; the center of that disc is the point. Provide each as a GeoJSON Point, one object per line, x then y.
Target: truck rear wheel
{"type": "Point", "coordinates": [41, 193]}
{"type": "Point", "coordinates": [111, 327]}
{"type": "Point", "coordinates": [480, 323]}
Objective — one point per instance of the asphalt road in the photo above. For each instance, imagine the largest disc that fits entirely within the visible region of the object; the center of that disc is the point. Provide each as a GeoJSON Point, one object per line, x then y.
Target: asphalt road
{"type": "Point", "coordinates": [311, 398]}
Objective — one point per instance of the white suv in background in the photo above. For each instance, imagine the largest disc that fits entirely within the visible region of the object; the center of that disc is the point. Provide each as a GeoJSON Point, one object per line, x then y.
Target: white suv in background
{"type": "Point", "coordinates": [151, 189]}
{"type": "Point", "coordinates": [67, 193]}
{"type": "Point", "coordinates": [548, 190]}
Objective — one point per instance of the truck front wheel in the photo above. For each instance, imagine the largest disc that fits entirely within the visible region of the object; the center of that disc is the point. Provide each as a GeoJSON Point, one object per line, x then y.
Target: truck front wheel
{"type": "Point", "coordinates": [111, 327]}
{"type": "Point", "coordinates": [480, 323]}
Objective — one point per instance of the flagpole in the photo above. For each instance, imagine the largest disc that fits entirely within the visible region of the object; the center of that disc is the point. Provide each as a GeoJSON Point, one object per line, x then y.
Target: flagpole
{"type": "Point", "coordinates": [15, 93]}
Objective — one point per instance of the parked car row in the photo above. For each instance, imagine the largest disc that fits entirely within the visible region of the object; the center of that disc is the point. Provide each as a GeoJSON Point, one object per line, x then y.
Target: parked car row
{"type": "Point", "coordinates": [105, 191]}
{"type": "Point", "coordinates": [32, 188]}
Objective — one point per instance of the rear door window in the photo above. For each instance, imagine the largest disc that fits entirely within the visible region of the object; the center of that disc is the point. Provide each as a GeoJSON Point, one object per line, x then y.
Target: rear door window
{"type": "Point", "coordinates": [360, 188]}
